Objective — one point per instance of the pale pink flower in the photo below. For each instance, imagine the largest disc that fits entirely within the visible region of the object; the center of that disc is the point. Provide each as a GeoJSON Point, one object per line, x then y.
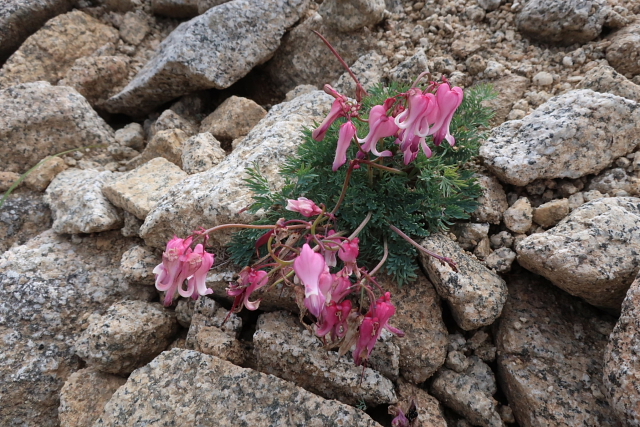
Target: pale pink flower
{"type": "Point", "coordinates": [177, 265]}
{"type": "Point", "coordinates": [249, 281]}
{"type": "Point", "coordinates": [339, 108]}
{"type": "Point", "coordinates": [348, 254]}
{"type": "Point", "coordinates": [198, 282]}
{"type": "Point", "coordinates": [449, 99]}
{"type": "Point", "coordinates": [303, 206]}
{"type": "Point", "coordinates": [309, 266]}
{"type": "Point", "coordinates": [380, 126]}
{"type": "Point", "coordinates": [347, 132]}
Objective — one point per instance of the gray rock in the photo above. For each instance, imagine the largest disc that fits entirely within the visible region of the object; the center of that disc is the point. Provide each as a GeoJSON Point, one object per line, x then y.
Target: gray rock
{"type": "Point", "coordinates": [213, 341]}
{"type": "Point", "coordinates": [23, 215]}
{"type": "Point", "coordinates": [606, 79]}
{"type": "Point", "coordinates": [132, 135]}
{"type": "Point", "coordinates": [614, 180]}
{"type": "Point", "coordinates": [131, 226]}
{"type": "Point", "coordinates": [351, 15]}
{"type": "Point", "coordinates": [134, 27]}
{"type": "Point", "coordinates": [474, 293]}
{"type": "Point", "coordinates": [489, 5]}
{"type": "Point", "coordinates": [493, 201]}
{"type": "Point", "coordinates": [167, 144]}
{"type": "Point", "coordinates": [565, 23]}
{"type": "Point", "coordinates": [500, 260]}
{"type": "Point", "coordinates": [97, 77]}
{"type": "Point", "coordinates": [234, 118]}
{"type": "Point", "coordinates": [550, 213]}
{"type": "Point", "coordinates": [519, 217]}
{"type": "Point", "coordinates": [218, 196]}
{"type": "Point", "coordinates": [594, 253]}
{"type": "Point", "coordinates": [621, 364]}
{"type": "Point", "coordinates": [201, 152]}
{"type": "Point", "coordinates": [30, 109]}
{"type": "Point", "coordinates": [469, 234]}
{"type": "Point", "coordinates": [286, 349]}
{"type": "Point", "coordinates": [126, 337]}
{"type": "Point", "coordinates": [408, 70]}
{"type": "Point", "coordinates": [175, 8]}
{"type": "Point", "coordinates": [623, 53]}
{"type": "Point", "coordinates": [510, 88]}
{"type": "Point", "coordinates": [368, 70]}
{"type": "Point", "coordinates": [170, 120]}
{"type": "Point", "coordinates": [40, 178]}
{"type": "Point", "coordinates": [503, 239]}
{"type": "Point", "coordinates": [213, 50]}
{"type": "Point", "coordinates": [137, 264]}
{"type": "Point", "coordinates": [185, 386]}
{"type": "Point", "coordinates": [205, 313]}
{"type": "Point", "coordinates": [550, 350]}
{"type": "Point", "coordinates": [78, 205]}
{"type": "Point", "coordinates": [48, 289]}
{"type": "Point", "coordinates": [204, 5]}
{"type": "Point", "coordinates": [559, 138]}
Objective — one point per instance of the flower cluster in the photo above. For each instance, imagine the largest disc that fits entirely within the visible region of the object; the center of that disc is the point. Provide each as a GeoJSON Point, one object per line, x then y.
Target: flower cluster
{"type": "Point", "coordinates": [410, 117]}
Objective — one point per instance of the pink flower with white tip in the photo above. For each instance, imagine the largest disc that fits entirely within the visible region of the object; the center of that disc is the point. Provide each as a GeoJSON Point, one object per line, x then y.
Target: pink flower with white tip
{"type": "Point", "coordinates": [312, 271]}
{"type": "Point", "coordinates": [449, 99]}
{"type": "Point", "coordinates": [303, 206]}
{"type": "Point", "coordinates": [250, 280]}
{"type": "Point", "coordinates": [348, 254]}
{"type": "Point", "coordinates": [347, 132]}
{"type": "Point", "coordinates": [380, 126]}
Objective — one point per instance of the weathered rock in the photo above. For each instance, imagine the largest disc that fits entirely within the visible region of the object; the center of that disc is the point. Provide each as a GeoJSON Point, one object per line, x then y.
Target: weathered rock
{"type": "Point", "coordinates": [21, 18]}
{"type": "Point", "coordinates": [613, 181]}
{"type": "Point", "coordinates": [594, 253]}
{"type": "Point", "coordinates": [285, 349]}
{"type": "Point", "coordinates": [23, 215]}
{"type": "Point", "coordinates": [519, 217]}
{"type": "Point", "coordinates": [7, 179]}
{"type": "Point", "coordinates": [408, 70]}
{"type": "Point", "coordinates": [132, 135]}
{"type": "Point", "coordinates": [189, 387]}
{"type": "Point", "coordinates": [234, 118]}
{"type": "Point", "coordinates": [50, 52]}
{"type": "Point", "coordinates": [201, 152]}
{"type": "Point", "coordinates": [474, 293]}
{"type": "Point", "coordinates": [213, 341]}
{"type": "Point", "coordinates": [621, 365]}
{"type": "Point", "coordinates": [131, 226]}
{"type": "Point", "coordinates": [170, 120]}
{"type": "Point", "coordinates": [493, 201]}
{"type": "Point", "coordinates": [566, 23]}
{"type": "Point", "coordinates": [78, 205]}
{"type": "Point", "coordinates": [139, 190]}
{"type": "Point", "coordinates": [550, 349]}
{"type": "Point", "coordinates": [469, 393]}
{"type": "Point", "coordinates": [510, 88]}
{"type": "Point", "coordinates": [469, 234]}
{"type": "Point", "coordinates": [134, 27]}
{"type": "Point", "coordinates": [368, 69]}
{"type": "Point", "coordinates": [623, 53]}
{"type": "Point", "coordinates": [550, 213]}
{"type": "Point", "coordinates": [204, 5]}
{"type": "Point", "coordinates": [503, 239]}
{"type": "Point", "coordinates": [429, 411]}
{"type": "Point", "coordinates": [213, 50]}
{"type": "Point", "coordinates": [205, 313]}
{"type": "Point", "coordinates": [83, 396]}
{"type": "Point", "coordinates": [39, 120]}
{"type": "Point", "coordinates": [469, 42]}
{"type": "Point", "coordinates": [97, 77]}
{"type": "Point", "coordinates": [219, 195]}
{"type": "Point", "coordinates": [137, 265]}
{"type": "Point", "coordinates": [40, 178]}
{"type": "Point", "coordinates": [48, 289]}
{"type": "Point", "coordinates": [500, 260]}
{"type": "Point", "coordinates": [559, 138]}
{"type": "Point", "coordinates": [126, 337]}
{"type": "Point", "coordinates": [606, 79]}
{"type": "Point", "coordinates": [351, 15]}
{"type": "Point", "coordinates": [167, 144]}
{"type": "Point", "coordinates": [489, 5]}
{"type": "Point", "coordinates": [175, 8]}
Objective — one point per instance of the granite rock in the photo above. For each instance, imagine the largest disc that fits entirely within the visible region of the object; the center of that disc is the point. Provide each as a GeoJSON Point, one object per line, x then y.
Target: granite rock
{"type": "Point", "coordinates": [40, 178]}
{"type": "Point", "coordinates": [204, 5]}
{"type": "Point", "coordinates": [167, 144]}
{"type": "Point", "coordinates": [205, 313]}
{"type": "Point", "coordinates": [351, 15]}
{"type": "Point", "coordinates": [623, 53]}
{"type": "Point", "coordinates": [213, 341]}
{"type": "Point", "coordinates": [559, 138]}
{"type": "Point", "coordinates": [550, 350]}
{"type": "Point", "coordinates": [23, 215]}
{"type": "Point", "coordinates": [234, 118]}
{"type": "Point", "coordinates": [201, 152]}
{"type": "Point", "coordinates": [218, 196]}
{"type": "Point", "coordinates": [169, 120]}
{"type": "Point", "coordinates": [614, 180]}
{"type": "Point", "coordinates": [430, 412]}
{"type": "Point", "coordinates": [408, 70]}
{"type": "Point", "coordinates": [186, 387]}
{"type": "Point", "coordinates": [213, 50]}
{"type": "Point", "coordinates": [550, 213]}
{"type": "Point", "coordinates": [510, 88]}
{"type": "Point", "coordinates": [40, 120]}
{"type": "Point", "coordinates": [368, 69]}
{"type": "Point", "coordinates": [175, 8]}
{"type": "Point", "coordinates": [500, 260]}
{"type": "Point", "coordinates": [474, 293]}
{"type": "Point", "coordinates": [134, 27]}
{"type": "Point", "coordinates": [493, 201]}
{"type": "Point", "coordinates": [519, 217]}
{"type": "Point", "coordinates": [132, 135]}
{"type": "Point", "coordinates": [137, 265]}
{"type": "Point", "coordinates": [594, 253]}
{"type": "Point", "coordinates": [7, 179]}
{"type": "Point", "coordinates": [606, 79]}
{"type": "Point", "coordinates": [78, 205]}
{"type": "Point", "coordinates": [489, 5]}
{"type": "Point", "coordinates": [97, 77]}
{"type": "Point", "coordinates": [469, 234]}
{"type": "Point", "coordinates": [286, 349]}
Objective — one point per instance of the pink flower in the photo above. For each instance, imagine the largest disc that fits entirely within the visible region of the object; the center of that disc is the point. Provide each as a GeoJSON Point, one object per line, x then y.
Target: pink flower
{"type": "Point", "coordinates": [419, 117]}
{"type": "Point", "coordinates": [339, 108]}
{"type": "Point", "coordinates": [334, 320]}
{"type": "Point", "coordinates": [400, 420]}
{"type": "Point", "coordinates": [198, 282]}
{"type": "Point", "coordinates": [340, 288]}
{"type": "Point", "coordinates": [448, 102]}
{"type": "Point", "coordinates": [380, 126]}
{"type": "Point", "coordinates": [347, 132]}
{"type": "Point", "coordinates": [330, 248]}
{"type": "Point", "coordinates": [179, 263]}
{"type": "Point", "coordinates": [249, 281]}
{"type": "Point", "coordinates": [371, 328]}
{"type": "Point", "coordinates": [304, 206]}
{"type": "Point", "coordinates": [348, 254]}
{"type": "Point", "coordinates": [309, 266]}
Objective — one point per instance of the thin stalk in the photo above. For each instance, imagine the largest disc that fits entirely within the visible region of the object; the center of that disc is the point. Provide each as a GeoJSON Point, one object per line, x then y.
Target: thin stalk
{"type": "Point", "coordinates": [345, 187]}
{"type": "Point", "coordinates": [255, 227]}
{"type": "Point", "coordinates": [385, 168]}
{"type": "Point", "coordinates": [361, 226]}
{"type": "Point", "coordinates": [383, 260]}
{"type": "Point", "coordinates": [440, 258]}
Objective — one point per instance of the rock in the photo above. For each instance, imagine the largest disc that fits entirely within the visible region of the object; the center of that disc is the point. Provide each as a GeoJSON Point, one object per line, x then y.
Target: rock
{"type": "Point", "coordinates": [468, 43]}
{"type": "Point", "coordinates": [23, 215]}
{"type": "Point", "coordinates": [131, 226]}
{"type": "Point", "coordinates": [493, 201]}
{"type": "Point", "coordinates": [201, 152]}
{"type": "Point", "coordinates": [469, 393]}
{"type": "Point", "coordinates": [543, 78]}
{"type": "Point", "coordinates": [7, 179]}
{"type": "Point", "coordinates": [368, 69]}
{"type": "Point", "coordinates": [285, 349]}
{"type": "Point", "coordinates": [211, 340]}
{"type": "Point", "coordinates": [170, 120]}
{"type": "Point", "coordinates": [134, 27]}
{"type": "Point", "coordinates": [408, 70]}
{"type": "Point", "coordinates": [594, 253]}
{"type": "Point", "coordinates": [500, 260]}
{"type": "Point", "coordinates": [175, 8]}
{"type": "Point", "coordinates": [126, 337]}
{"type": "Point", "coordinates": [234, 118]}
{"type": "Point", "coordinates": [296, 61]}
{"type": "Point", "coordinates": [510, 88]}
{"type": "Point", "coordinates": [606, 79]}
{"type": "Point", "coordinates": [489, 5]}
{"type": "Point", "coordinates": [167, 144]}
{"type": "Point", "coordinates": [621, 366]}
{"type": "Point", "coordinates": [132, 135]}
{"type": "Point", "coordinates": [229, 40]}
{"type": "Point", "coordinates": [503, 239]}
{"type": "Point", "coordinates": [550, 349]}
{"type": "Point", "coordinates": [550, 213]}
{"type": "Point", "coordinates": [40, 178]}
{"type": "Point", "coordinates": [428, 408]}
{"type": "Point", "coordinates": [97, 77]}
{"type": "Point", "coordinates": [21, 18]}
{"type": "Point", "coordinates": [299, 91]}
{"type": "Point", "coordinates": [622, 53]}
{"type": "Point", "coordinates": [457, 361]}
{"type": "Point", "coordinates": [48, 289]}
{"type": "Point", "coordinates": [475, 64]}
{"type": "Point", "coordinates": [83, 396]}
{"type": "Point", "coordinates": [565, 23]}
{"type": "Point", "coordinates": [185, 386]}
{"type": "Point", "coordinates": [483, 249]}
{"type": "Point", "coordinates": [469, 234]}
{"type": "Point", "coordinates": [474, 293]}
{"type": "Point", "coordinates": [137, 265]}
{"type": "Point", "coordinates": [559, 138]}
{"type": "Point", "coordinates": [139, 190]}
{"type": "Point", "coordinates": [78, 205]}
{"type": "Point", "coordinates": [351, 15]}
{"type": "Point", "coordinates": [218, 195]}
{"type": "Point", "coordinates": [49, 53]}
{"type": "Point", "coordinates": [418, 314]}
{"type": "Point", "coordinates": [519, 217]}
{"type": "Point", "coordinates": [204, 313]}
{"type": "Point", "coordinates": [69, 120]}
{"type": "Point", "coordinates": [204, 5]}
{"type": "Point", "coordinates": [614, 180]}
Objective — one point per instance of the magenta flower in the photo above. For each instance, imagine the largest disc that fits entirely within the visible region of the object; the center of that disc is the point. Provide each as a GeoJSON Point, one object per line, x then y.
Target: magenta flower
{"type": "Point", "coordinates": [178, 264]}
{"type": "Point", "coordinates": [371, 328]}
{"type": "Point", "coordinates": [198, 282]}
{"type": "Point", "coordinates": [303, 206]}
{"type": "Point", "coordinates": [380, 126]}
{"type": "Point", "coordinates": [249, 281]}
{"type": "Point", "coordinates": [348, 254]}
{"type": "Point", "coordinates": [400, 420]}
{"type": "Point", "coordinates": [334, 320]}
{"type": "Point", "coordinates": [340, 288]}
{"type": "Point", "coordinates": [418, 118]}
{"type": "Point", "coordinates": [347, 132]}
{"type": "Point", "coordinates": [309, 266]}
{"type": "Point", "coordinates": [448, 102]}
{"type": "Point", "coordinates": [339, 108]}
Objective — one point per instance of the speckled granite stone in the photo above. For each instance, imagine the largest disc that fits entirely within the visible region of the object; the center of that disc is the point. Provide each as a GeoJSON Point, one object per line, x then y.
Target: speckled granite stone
{"type": "Point", "coordinates": [39, 120]}
{"type": "Point", "coordinates": [78, 205]}
{"type": "Point", "coordinates": [519, 217]}
{"type": "Point", "coordinates": [565, 23]}
{"type": "Point", "coordinates": [408, 70]}
{"type": "Point", "coordinates": [213, 50]}
{"type": "Point", "coordinates": [97, 77]}
{"type": "Point", "coordinates": [559, 138]}
{"type": "Point", "coordinates": [204, 313]}
{"type": "Point", "coordinates": [429, 409]}
{"type": "Point", "coordinates": [351, 15]}
{"type": "Point", "coordinates": [474, 293]}
{"type": "Point", "coordinates": [50, 52]}
{"type": "Point", "coordinates": [165, 143]}
{"type": "Point", "coordinates": [23, 215]}
{"type": "Point", "coordinates": [139, 190]}
{"type": "Point", "coordinates": [234, 118]}
{"type": "Point", "coordinates": [550, 350]}
{"type": "Point", "coordinates": [213, 341]}
{"type": "Point", "coordinates": [594, 253]}
{"type": "Point", "coordinates": [493, 201]}
{"type": "Point", "coordinates": [623, 53]}
{"type": "Point", "coordinates": [368, 69]}
{"type": "Point", "coordinates": [185, 387]}
{"type": "Point", "coordinates": [285, 349]}
{"type": "Point", "coordinates": [137, 265]}
{"type": "Point", "coordinates": [40, 178]}
{"type": "Point", "coordinates": [606, 79]}
{"type": "Point", "coordinates": [48, 289]}
{"type": "Point", "coordinates": [621, 362]}
{"type": "Point", "coordinates": [219, 195]}
{"type": "Point", "coordinates": [201, 152]}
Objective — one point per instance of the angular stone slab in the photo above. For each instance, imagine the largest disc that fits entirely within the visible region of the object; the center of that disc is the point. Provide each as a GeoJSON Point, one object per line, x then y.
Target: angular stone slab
{"type": "Point", "coordinates": [594, 253]}
{"type": "Point", "coordinates": [572, 135]}
{"type": "Point", "coordinates": [213, 50]}
{"type": "Point", "coordinates": [189, 388]}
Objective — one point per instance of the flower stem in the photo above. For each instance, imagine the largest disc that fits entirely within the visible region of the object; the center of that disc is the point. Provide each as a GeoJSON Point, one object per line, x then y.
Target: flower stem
{"type": "Point", "coordinates": [361, 226]}
{"type": "Point", "coordinates": [345, 187]}
{"type": "Point", "coordinates": [440, 258]}
{"type": "Point", "coordinates": [383, 260]}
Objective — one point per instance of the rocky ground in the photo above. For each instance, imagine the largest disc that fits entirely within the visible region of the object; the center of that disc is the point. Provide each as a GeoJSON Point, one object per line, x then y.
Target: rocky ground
{"type": "Point", "coordinates": [539, 327]}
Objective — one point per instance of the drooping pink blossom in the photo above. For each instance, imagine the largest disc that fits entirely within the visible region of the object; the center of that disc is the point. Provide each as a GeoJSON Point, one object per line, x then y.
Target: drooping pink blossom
{"type": "Point", "coordinates": [347, 132]}
{"type": "Point", "coordinates": [372, 325]}
{"type": "Point", "coordinates": [449, 99]}
{"type": "Point", "coordinates": [173, 271]}
{"type": "Point", "coordinates": [303, 206]}
{"type": "Point", "coordinates": [249, 281]}
{"type": "Point", "coordinates": [309, 266]}
{"type": "Point", "coordinates": [334, 320]}
{"type": "Point", "coordinates": [198, 282]}
{"type": "Point", "coordinates": [348, 253]}
{"type": "Point", "coordinates": [419, 117]}
{"type": "Point", "coordinates": [380, 126]}
{"type": "Point", "coordinates": [330, 248]}
{"type": "Point", "coordinates": [339, 108]}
